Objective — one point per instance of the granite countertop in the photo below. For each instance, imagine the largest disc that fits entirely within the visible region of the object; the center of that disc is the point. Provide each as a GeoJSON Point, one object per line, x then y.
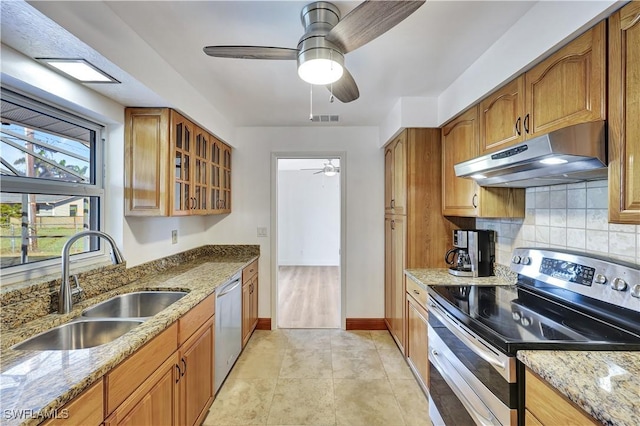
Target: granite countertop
{"type": "Point", "coordinates": [43, 381]}
{"type": "Point", "coordinates": [441, 276]}
{"type": "Point", "coordinates": [604, 384]}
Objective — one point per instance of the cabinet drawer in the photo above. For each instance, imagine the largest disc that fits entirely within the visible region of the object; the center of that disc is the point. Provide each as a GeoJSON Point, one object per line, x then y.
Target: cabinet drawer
{"type": "Point", "coordinates": [193, 320]}
{"type": "Point", "coordinates": [85, 409]}
{"type": "Point", "coordinates": [128, 375]}
{"type": "Point", "coordinates": [249, 271]}
{"type": "Point", "coordinates": [417, 292]}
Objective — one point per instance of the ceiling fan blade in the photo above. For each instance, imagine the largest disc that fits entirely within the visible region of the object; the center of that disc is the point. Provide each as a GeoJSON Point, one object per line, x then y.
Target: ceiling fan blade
{"type": "Point", "coordinates": [369, 20]}
{"type": "Point", "coordinates": [251, 52]}
{"type": "Point", "coordinates": [345, 89]}
{"type": "Point", "coordinates": [317, 173]}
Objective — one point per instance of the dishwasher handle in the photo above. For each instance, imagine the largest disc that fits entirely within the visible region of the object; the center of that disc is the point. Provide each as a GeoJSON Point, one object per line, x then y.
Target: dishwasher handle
{"type": "Point", "coordinates": [228, 288]}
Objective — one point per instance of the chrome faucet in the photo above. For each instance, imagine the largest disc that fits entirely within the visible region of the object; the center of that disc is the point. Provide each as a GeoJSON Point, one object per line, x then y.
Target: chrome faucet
{"type": "Point", "coordinates": [65, 302]}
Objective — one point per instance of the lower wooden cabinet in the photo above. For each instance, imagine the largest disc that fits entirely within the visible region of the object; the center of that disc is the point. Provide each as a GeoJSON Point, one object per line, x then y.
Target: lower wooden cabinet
{"type": "Point", "coordinates": [84, 410]}
{"type": "Point", "coordinates": [249, 301]}
{"type": "Point", "coordinates": [154, 402]}
{"type": "Point", "coordinates": [196, 375]}
{"type": "Point", "coordinates": [546, 406]}
{"type": "Point", "coordinates": [417, 347]}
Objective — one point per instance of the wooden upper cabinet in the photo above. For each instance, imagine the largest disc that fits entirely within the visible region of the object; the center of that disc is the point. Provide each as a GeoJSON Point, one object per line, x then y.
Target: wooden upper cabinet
{"type": "Point", "coordinates": [624, 110]}
{"type": "Point", "coordinates": [173, 167]}
{"type": "Point", "coordinates": [459, 143]}
{"type": "Point", "coordinates": [462, 196]}
{"type": "Point", "coordinates": [501, 115]}
{"type": "Point", "coordinates": [569, 86]}
{"type": "Point", "coordinates": [145, 157]}
{"type": "Point", "coordinates": [566, 88]}
{"type": "Point", "coordinates": [396, 175]}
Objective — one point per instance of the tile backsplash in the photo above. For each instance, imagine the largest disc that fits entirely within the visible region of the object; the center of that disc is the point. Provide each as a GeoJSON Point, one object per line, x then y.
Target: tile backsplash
{"type": "Point", "coordinates": [572, 217]}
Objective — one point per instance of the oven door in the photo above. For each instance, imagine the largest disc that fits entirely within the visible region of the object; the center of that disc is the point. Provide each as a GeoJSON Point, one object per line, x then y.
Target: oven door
{"type": "Point", "coordinates": [470, 382]}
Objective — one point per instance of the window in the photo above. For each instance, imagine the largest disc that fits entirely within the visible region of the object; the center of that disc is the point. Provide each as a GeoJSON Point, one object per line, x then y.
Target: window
{"type": "Point", "coordinates": [51, 165]}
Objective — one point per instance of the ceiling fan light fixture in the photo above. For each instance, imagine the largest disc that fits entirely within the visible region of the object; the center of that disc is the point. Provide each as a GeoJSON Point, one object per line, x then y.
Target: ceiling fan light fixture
{"type": "Point", "coordinates": [329, 170]}
{"type": "Point", "coordinates": [320, 66]}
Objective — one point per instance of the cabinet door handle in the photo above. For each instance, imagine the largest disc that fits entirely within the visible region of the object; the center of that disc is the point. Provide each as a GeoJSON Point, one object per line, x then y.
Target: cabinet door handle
{"type": "Point", "coordinates": [185, 366]}
{"type": "Point", "coordinates": [416, 291]}
{"type": "Point", "coordinates": [474, 201]}
{"type": "Point", "coordinates": [393, 204]}
{"type": "Point", "coordinates": [518, 127]}
{"type": "Point", "coordinates": [526, 123]}
{"type": "Point", "coordinates": [393, 225]}
{"type": "Point", "coordinates": [179, 373]}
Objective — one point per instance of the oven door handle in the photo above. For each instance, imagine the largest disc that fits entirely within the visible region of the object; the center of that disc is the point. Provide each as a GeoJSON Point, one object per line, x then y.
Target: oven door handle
{"type": "Point", "coordinates": [462, 335]}
{"type": "Point", "coordinates": [481, 419]}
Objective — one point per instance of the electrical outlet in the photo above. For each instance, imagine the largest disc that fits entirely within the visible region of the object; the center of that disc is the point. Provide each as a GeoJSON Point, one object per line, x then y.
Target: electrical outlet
{"type": "Point", "coordinates": [174, 236]}
{"type": "Point", "coordinates": [262, 232]}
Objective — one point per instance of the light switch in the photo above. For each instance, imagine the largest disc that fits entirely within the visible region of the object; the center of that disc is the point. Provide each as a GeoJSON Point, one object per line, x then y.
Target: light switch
{"type": "Point", "coordinates": [262, 231]}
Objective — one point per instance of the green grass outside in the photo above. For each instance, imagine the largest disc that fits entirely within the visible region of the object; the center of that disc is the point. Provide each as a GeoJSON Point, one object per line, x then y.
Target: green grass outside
{"type": "Point", "coordinates": [51, 239]}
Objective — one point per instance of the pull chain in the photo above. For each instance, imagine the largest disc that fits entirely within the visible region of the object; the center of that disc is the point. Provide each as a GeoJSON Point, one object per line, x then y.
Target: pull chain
{"type": "Point", "coordinates": [311, 102]}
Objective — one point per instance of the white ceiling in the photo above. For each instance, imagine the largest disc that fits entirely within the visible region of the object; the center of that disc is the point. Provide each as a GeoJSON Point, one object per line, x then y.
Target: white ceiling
{"type": "Point", "coordinates": [420, 57]}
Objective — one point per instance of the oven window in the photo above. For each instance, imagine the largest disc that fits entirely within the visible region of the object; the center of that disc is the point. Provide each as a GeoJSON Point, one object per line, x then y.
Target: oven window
{"type": "Point", "coordinates": [481, 369]}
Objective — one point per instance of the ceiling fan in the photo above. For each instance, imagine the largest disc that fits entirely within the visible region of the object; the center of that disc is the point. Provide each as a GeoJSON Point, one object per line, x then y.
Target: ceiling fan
{"type": "Point", "coordinates": [328, 169]}
{"type": "Point", "coordinates": [327, 38]}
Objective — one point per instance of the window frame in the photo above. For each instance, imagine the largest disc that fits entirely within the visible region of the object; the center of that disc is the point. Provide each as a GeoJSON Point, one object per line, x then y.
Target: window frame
{"type": "Point", "coordinates": [24, 185]}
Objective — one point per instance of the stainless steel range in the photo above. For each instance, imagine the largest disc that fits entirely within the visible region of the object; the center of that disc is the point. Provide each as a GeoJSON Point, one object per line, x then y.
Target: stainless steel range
{"type": "Point", "coordinates": [562, 300]}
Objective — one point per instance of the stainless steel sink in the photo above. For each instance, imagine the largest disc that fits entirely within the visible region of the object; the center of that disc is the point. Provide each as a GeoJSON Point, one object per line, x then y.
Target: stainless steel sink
{"type": "Point", "coordinates": [81, 334]}
{"type": "Point", "coordinates": [140, 304]}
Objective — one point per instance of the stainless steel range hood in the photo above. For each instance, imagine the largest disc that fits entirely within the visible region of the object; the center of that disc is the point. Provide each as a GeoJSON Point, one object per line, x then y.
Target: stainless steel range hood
{"type": "Point", "coordinates": [569, 155]}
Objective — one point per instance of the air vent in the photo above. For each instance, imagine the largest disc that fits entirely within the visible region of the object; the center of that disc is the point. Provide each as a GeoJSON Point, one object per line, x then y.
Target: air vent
{"type": "Point", "coordinates": [325, 118]}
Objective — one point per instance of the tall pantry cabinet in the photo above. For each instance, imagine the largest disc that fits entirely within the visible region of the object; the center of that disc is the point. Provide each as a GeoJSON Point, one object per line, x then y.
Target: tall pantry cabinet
{"type": "Point", "coordinates": [416, 234]}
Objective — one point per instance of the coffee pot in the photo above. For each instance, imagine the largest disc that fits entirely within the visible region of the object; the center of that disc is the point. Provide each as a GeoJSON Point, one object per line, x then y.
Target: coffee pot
{"type": "Point", "coordinates": [459, 258]}
{"type": "Point", "coordinates": [473, 253]}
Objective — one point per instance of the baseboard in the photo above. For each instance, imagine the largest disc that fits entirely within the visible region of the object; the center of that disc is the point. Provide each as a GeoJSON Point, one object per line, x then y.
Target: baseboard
{"type": "Point", "coordinates": [366, 324]}
{"type": "Point", "coordinates": [264, 324]}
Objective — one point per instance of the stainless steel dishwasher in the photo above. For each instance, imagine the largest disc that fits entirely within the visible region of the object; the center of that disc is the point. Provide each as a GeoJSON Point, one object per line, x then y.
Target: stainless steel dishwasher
{"type": "Point", "coordinates": [228, 321]}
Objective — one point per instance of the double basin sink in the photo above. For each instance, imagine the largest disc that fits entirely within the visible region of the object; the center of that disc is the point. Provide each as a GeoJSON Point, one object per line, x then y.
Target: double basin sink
{"type": "Point", "coordinates": [103, 322]}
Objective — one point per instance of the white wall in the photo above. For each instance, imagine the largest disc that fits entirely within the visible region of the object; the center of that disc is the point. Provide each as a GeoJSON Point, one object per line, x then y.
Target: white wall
{"type": "Point", "coordinates": [571, 217]}
{"type": "Point", "coordinates": [363, 171]}
{"type": "Point", "coordinates": [308, 218]}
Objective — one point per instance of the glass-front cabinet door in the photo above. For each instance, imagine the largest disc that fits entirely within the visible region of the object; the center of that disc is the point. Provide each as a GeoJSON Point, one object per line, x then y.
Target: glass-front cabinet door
{"type": "Point", "coordinates": [182, 131]}
{"type": "Point", "coordinates": [201, 183]}
{"type": "Point", "coordinates": [225, 179]}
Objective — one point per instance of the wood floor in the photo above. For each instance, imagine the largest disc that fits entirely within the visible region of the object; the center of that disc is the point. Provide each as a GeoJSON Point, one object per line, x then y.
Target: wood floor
{"type": "Point", "coordinates": [308, 297]}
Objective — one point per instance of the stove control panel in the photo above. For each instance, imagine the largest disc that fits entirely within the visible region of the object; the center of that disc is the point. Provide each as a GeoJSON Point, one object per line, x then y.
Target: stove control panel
{"type": "Point", "coordinates": [606, 279]}
{"type": "Point", "coordinates": [567, 271]}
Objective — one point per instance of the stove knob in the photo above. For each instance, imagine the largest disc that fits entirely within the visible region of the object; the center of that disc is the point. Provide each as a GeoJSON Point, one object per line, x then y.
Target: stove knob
{"type": "Point", "coordinates": [619, 284]}
{"type": "Point", "coordinates": [526, 260]}
{"type": "Point", "coordinates": [600, 279]}
{"type": "Point", "coordinates": [516, 316]}
{"type": "Point", "coordinates": [525, 321]}
{"type": "Point", "coordinates": [516, 259]}
{"type": "Point", "coordinates": [635, 291]}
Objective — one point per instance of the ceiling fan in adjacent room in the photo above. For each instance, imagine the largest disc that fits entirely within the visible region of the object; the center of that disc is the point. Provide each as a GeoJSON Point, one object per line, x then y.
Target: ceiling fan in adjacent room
{"type": "Point", "coordinates": [328, 169]}
{"type": "Point", "coordinates": [327, 38]}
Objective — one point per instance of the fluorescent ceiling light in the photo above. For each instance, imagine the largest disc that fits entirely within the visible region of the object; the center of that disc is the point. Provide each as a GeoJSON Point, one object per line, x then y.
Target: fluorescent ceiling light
{"type": "Point", "coordinates": [553, 160]}
{"type": "Point", "coordinates": [80, 70]}
{"type": "Point", "coordinates": [478, 176]}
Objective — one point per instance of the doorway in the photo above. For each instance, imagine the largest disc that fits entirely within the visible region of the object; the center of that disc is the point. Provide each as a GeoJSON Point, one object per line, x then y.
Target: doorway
{"type": "Point", "coordinates": [308, 260]}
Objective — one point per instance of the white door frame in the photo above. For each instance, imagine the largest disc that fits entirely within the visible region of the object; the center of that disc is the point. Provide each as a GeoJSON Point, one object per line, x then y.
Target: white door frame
{"type": "Point", "coordinates": [275, 156]}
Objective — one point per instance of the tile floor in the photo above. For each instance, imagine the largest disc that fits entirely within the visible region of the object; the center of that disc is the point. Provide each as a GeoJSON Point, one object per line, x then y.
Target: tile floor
{"type": "Point", "coordinates": [320, 377]}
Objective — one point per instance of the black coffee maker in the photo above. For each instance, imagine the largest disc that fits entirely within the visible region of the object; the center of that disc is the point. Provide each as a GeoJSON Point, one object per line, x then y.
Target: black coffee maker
{"type": "Point", "coordinates": [473, 253]}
